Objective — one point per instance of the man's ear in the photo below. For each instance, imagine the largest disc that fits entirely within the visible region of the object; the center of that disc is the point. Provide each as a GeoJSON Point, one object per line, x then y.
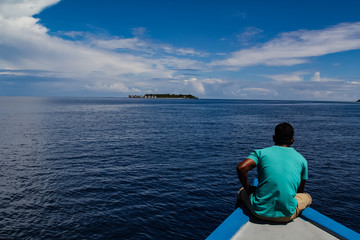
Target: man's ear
{"type": "Point", "coordinates": [292, 141]}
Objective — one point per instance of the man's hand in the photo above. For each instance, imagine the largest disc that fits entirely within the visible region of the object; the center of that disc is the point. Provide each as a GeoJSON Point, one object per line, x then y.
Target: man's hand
{"type": "Point", "coordinates": [250, 190]}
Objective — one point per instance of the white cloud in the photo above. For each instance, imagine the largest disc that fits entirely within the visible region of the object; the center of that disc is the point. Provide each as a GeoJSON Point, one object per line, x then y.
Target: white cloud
{"type": "Point", "coordinates": [323, 94]}
{"type": "Point", "coordinates": [139, 31]}
{"type": "Point", "coordinates": [213, 81]}
{"type": "Point", "coordinates": [92, 63]}
{"type": "Point", "coordinates": [72, 34]}
{"type": "Point", "coordinates": [111, 87]}
{"type": "Point", "coordinates": [181, 51]}
{"type": "Point", "coordinates": [145, 46]}
{"type": "Point", "coordinates": [197, 84]}
{"type": "Point", "coordinates": [23, 8]}
{"type": "Point", "coordinates": [25, 44]}
{"type": "Point", "coordinates": [316, 77]}
{"type": "Point", "coordinates": [299, 77]}
{"type": "Point", "coordinates": [353, 82]}
{"type": "Point", "coordinates": [261, 91]}
{"type": "Point", "coordinates": [248, 35]}
{"type": "Point", "coordinates": [295, 86]}
{"type": "Point", "coordinates": [116, 43]}
{"type": "Point", "coordinates": [295, 47]}
{"type": "Point", "coordinates": [200, 85]}
{"type": "Point", "coordinates": [291, 77]}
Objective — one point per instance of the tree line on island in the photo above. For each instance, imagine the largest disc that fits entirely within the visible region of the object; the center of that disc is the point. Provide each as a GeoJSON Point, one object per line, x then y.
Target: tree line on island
{"type": "Point", "coordinates": [177, 96]}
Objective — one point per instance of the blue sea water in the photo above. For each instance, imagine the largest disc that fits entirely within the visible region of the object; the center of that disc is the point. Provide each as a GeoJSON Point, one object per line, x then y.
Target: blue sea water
{"type": "Point", "coordinates": [118, 168]}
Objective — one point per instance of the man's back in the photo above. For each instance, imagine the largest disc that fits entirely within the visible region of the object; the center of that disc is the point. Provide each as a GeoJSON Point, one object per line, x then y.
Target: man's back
{"type": "Point", "coordinates": [280, 171]}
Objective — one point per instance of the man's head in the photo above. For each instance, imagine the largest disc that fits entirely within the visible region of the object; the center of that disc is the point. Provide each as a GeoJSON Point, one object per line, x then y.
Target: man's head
{"type": "Point", "coordinates": [284, 134]}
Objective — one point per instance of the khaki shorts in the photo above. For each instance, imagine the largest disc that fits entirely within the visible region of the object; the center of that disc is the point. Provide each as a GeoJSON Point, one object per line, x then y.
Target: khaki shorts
{"type": "Point", "coordinates": [304, 200]}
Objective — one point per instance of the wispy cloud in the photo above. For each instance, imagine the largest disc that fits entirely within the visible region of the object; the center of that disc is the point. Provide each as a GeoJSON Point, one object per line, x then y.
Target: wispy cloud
{"type": "Point", "coordinates": [139, 31]}
{"type": "Point", "coordinates": [318, 78]}
{"type": "Point", "coordinates": [249, 35]}
{"type": "Point", "coordinates": [295, 77]}
{"type": "Point", "coordinates": [145, 46]}
{"type": "Point", "coordinates": [261, 91]}
{"type": "Point", "coordinates": [95, 62]}
{"type": "Point", "coordinates": [354, 82]}
{"type": "Point", "coordinates": [199, 84]}
{"type": "Point", "coordinates": [117, 43]}
{"type": "Point", "coordinates": [289, 77]}
{"type": "Point", "coordinates": [296, 47]}
{"type": "Point", "coordinates": [304, 85]}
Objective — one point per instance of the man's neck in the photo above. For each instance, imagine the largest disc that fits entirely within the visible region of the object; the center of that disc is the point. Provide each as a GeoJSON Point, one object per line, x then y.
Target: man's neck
{"type": "Point", "coordinates": [281, 145]}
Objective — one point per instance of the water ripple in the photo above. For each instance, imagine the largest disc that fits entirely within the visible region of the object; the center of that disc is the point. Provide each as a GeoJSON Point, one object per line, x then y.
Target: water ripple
{"type": "Point", "coordinates": [130, 169]}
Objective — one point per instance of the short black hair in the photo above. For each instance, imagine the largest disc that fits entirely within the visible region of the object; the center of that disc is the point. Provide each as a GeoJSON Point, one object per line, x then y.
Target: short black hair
{"type": "Point", "coordinates": [284, 133]}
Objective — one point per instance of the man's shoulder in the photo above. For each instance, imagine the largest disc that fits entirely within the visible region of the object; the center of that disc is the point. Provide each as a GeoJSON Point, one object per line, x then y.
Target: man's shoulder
{"type": "Point", "coordinates": [264, 151]}
{"type": "Point", "coordinates": [269, 149]}
{"type": "Point", "coordinates": [265, 148]}
{"type": "Point", "coordinates": [281, 150]}
{"type": "Point", "coordinates": [298, 156]}
{"type": "Point", "coordinates": [261, 150]}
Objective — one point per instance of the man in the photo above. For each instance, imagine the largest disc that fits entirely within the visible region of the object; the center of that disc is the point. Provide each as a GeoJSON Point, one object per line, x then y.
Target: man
{"type": "Point", "coordinates": [282, 173]}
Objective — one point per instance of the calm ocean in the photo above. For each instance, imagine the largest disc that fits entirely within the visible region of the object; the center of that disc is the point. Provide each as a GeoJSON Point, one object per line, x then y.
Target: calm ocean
{"type": "Point", "coordinates": [118, 168]}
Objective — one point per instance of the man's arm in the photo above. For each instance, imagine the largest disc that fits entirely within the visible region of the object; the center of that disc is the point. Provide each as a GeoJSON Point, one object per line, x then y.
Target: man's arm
{"type": "Point", "coordinates": [242, 171]}
{"type": "Point", "coordinates": [301, 188]}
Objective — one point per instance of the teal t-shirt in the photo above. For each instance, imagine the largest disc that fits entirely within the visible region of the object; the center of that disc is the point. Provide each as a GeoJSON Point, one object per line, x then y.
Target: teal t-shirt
{"type": "Point", "coordinates": [280, 171]}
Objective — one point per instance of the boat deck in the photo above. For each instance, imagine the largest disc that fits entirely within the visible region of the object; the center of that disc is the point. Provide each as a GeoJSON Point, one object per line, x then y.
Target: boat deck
{"type": "Point", "coordinates": [296, 230]}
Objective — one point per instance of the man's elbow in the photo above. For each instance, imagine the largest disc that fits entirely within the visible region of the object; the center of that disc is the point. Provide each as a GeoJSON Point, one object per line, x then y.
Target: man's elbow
{"type": "Point", "coordinates": [241, 169]}
{"type": "Point", "coordinates": [245, 166]}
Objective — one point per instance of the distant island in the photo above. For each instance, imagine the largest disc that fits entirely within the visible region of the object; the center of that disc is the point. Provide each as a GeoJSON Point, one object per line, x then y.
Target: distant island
{"type": "Point", "coordinates": [358, 100]}
{"type": "Point", "coordinates": [177, 96]}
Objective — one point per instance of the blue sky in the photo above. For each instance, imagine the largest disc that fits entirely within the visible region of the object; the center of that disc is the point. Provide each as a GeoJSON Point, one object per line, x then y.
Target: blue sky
{"type": "Point", "coordinates": [309, 50]}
